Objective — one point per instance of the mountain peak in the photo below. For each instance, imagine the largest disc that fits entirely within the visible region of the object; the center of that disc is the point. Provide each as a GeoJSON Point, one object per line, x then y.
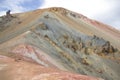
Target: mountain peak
{"type": "Point", "coordinates": [60, 39]}
{"type": "Point", "coordinates": [65, 11]}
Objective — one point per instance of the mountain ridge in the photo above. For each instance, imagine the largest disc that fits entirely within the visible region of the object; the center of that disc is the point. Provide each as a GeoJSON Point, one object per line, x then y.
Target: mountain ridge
{"type": "Point", "coordinates": [62, 39]}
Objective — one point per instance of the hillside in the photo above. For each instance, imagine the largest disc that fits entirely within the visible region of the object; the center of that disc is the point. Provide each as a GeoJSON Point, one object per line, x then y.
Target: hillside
{"type": "Point", "coordinates": [61, 39]}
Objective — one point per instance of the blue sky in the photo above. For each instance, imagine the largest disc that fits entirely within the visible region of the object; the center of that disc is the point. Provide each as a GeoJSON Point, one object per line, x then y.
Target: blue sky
{"type": "Point", "coordinates": [106, 11]}
{"type": "Point", "coordinates": [19, 5]}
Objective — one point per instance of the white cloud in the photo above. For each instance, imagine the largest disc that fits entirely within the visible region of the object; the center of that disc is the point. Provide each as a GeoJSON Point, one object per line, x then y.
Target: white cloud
{"type": "Point", "coordinates": [116, 24]}
{"type": "Point", "coordinates": [2, 13]}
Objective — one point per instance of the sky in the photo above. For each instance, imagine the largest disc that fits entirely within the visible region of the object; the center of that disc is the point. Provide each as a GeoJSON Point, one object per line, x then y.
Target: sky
{"type": "Point", "coordinates": [106, 11]}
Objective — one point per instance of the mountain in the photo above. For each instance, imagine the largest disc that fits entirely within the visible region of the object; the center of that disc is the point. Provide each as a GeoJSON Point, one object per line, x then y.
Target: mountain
{"type": "Point", "coordinates": [58, 39]}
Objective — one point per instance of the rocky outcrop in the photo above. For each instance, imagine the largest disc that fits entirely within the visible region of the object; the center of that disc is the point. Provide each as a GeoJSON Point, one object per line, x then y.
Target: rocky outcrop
{"type": "Point", "coordinates": [60, 10]}
{"type": "Point", "coordinates": [89, 46]}
{"type": "Point", "coordinates": [108, 48]}
{"type": "Point", "coordinates": [5, 21]}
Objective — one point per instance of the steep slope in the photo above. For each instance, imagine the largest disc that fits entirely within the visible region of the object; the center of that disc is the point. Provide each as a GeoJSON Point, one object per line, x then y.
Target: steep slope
{"type": "Point", "coordinates": [61, 39]}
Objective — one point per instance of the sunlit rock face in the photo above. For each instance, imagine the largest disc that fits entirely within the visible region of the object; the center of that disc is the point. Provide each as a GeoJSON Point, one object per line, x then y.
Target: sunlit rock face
{"type": "Point", "coordinates": [57, 44]}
